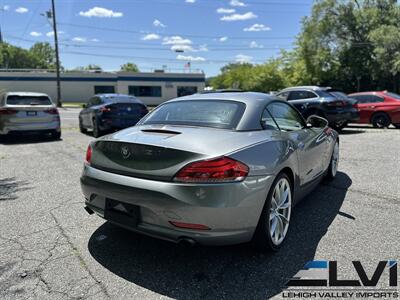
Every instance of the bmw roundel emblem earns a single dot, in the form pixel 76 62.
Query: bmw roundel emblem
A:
pixel 126 153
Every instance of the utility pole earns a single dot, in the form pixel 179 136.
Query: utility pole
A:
pixel 52 14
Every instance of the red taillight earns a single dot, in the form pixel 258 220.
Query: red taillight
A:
pixel 105 109
pixel 189 225
pixel 7 111
pixel 336 104
pixel 88 154
pixel 216 170
pixel 52 111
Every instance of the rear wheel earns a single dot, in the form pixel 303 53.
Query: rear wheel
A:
pixel 397 126
pixel 339 125
pixel 96 129
pixel 56 135
pixel 274 221
pixel 334 163
pixel 380 120
pixel 81 128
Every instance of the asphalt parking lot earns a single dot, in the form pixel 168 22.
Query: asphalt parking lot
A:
pixel 50 248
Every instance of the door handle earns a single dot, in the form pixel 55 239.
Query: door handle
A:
pixel 371 106
pixel 300 145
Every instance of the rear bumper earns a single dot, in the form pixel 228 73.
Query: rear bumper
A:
pixel 231 210
pixel 29 127
pixel 351 115
pixel 115 123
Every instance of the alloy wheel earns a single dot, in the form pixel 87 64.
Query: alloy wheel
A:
pixel 280 211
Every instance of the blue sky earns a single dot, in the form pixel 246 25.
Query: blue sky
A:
pixel 208 33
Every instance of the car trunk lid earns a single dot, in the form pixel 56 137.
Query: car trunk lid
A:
pixel 159 152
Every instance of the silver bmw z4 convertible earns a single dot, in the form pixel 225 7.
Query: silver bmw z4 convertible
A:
pixel 212 169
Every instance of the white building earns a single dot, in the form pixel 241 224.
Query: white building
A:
pixel 152 88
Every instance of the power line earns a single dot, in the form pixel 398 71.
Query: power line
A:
pixel 176 34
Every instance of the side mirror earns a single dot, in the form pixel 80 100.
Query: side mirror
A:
pixel 84 105
pixel 316 122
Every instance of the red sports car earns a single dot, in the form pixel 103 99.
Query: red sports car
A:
pixel 378 108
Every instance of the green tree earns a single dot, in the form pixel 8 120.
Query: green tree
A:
pixel 89 67
pixel 129 67
pixel 44 54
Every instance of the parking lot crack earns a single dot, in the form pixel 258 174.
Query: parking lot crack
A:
pixel 79 256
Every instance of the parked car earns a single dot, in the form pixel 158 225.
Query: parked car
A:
pixel 107 112
pixel 212 169
pixel 378 108
pixel 325 102
pixel 25 112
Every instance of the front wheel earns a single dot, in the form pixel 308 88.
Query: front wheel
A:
pixel 334 163
pixel 274 221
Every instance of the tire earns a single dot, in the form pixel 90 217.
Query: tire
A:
pixel 96 129
pixel 380 120
pixel 334 163
pixel 397 126
pixel 81 128
pixel 265 238
pixel 56 135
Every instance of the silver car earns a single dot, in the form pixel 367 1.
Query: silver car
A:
pixel 212 169
pixel 28 112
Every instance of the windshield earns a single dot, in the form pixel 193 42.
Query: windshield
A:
pixel 204 113
pixel 28 100
pixel 393 95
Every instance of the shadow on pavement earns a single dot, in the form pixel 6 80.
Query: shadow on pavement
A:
pixel 9 188
pixel 238 272
pixel 26 139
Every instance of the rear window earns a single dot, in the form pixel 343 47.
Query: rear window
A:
pixel 28 100
pixel 393 95
pixel 204 113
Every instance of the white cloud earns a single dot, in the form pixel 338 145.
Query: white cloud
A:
pixel 222 10
pixel 79 39
pixel 254 44
pixel 95 40
pixel 257 27
pixel 239 17
pixel 190 58
pixel 21 10
pixel 186 48
pixel 51 33
pixel 241 58
pixel 237 3
pixel 223 39
pixel 176 40
pixel 100 12
pixel 5 7
pixel 34 33
pixel 158 23
pixel 190 1
pixel 151 37
pixel 189 48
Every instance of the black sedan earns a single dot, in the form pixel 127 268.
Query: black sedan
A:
pixel 108 112
pixel 325 102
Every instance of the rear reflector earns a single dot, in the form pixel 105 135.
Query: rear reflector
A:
pixel 7 111
pixel 222 169
pixel 88 155
pixel 190 226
